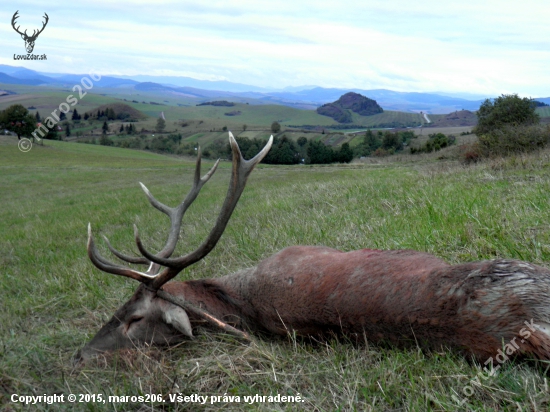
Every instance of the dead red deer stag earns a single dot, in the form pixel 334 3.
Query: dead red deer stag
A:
pixel 400 296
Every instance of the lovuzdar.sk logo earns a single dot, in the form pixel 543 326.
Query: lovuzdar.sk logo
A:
pixel 29 40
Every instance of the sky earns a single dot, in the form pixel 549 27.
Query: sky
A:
pixel 483 47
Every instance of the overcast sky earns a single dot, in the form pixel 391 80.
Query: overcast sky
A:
pixel 485 47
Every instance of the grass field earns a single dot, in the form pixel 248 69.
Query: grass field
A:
pixel 177 109
pixel 543 111
pixel 54 300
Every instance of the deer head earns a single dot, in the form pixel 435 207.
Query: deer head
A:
pixel 150 316
pixel 29 40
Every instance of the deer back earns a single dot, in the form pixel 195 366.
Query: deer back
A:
pixel 402 296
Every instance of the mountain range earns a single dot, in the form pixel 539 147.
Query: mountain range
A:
pixel 304 97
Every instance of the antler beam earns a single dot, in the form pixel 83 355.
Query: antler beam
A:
pixel 241 169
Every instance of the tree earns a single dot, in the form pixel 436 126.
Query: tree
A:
pixel 67 130
pixel 283 151
pixel 368 144
pixel 110 113
pixel 75 116
pixel 319 153
pixel 372 141
pixel 345 154
pixel 244 127
pixel 37 117
pixel 506 110
pixel 105 128
pixel 62 116
pixel 52 134
pixel 17 119
pixel 302 140
pixel 121 130
pixel 161 124
pixel 391 141
pixel 275 127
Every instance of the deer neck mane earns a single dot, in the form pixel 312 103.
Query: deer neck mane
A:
pixel 220 297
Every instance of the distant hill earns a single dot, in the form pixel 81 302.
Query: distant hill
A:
pixel 336 112
pixel 458 118
pixel 301 97
pixel 339 110
pixel 5 78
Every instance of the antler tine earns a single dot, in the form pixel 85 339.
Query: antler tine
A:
pixel 241 169
pixel 122 256
pixel 13 19
pixel 176 214
pixel 43 24
pixel 106 266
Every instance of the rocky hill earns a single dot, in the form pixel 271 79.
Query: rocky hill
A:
pixel 458 118
pixel 340 109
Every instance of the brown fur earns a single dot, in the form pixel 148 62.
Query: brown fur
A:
pixel 402 296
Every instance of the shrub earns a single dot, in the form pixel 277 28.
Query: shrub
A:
pixel 470 153
pixel 436 142
pixel 105 141
pixel 514 139
pixel 380 152
pixel 506 110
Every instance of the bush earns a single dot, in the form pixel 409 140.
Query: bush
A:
pixel 506 110
pixel 436 142
pixel 470 153
pixel 105 141
pixel 514 139
pixel 380 152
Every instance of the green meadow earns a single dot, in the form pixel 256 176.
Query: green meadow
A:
pixel 53 300
pixel 180 109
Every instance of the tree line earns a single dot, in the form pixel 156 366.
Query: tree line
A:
pixel 383 143
pixel 285 151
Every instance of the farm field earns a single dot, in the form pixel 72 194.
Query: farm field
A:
pixel 54 300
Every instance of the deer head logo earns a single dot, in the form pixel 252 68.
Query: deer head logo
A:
pixel 29 40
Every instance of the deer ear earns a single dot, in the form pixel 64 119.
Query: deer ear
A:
pixel 177 317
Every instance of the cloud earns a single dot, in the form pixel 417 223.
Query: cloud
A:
pixel 480 47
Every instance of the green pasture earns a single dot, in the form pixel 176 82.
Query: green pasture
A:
pixel 53 300
pixel 543 111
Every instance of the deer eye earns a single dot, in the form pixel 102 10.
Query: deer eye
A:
pixel 134 320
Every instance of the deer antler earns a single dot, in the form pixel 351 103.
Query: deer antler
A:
pixel 240 171
pixel 34 34
pixel 15 17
